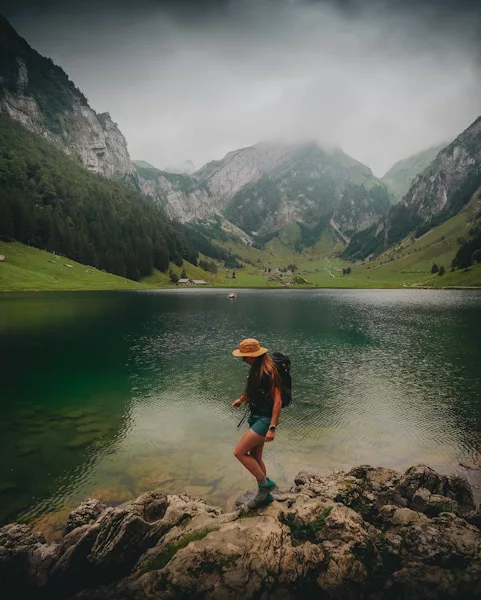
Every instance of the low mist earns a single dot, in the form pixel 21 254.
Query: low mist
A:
pixel 380 82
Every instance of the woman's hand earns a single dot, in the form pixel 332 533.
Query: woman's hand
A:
pixel 236 403
pixel 270 435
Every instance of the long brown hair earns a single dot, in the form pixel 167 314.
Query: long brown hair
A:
pixel 264 365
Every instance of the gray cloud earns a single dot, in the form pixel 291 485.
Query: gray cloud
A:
pixel 379 80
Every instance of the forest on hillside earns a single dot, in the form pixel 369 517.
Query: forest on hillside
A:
pixel 51 202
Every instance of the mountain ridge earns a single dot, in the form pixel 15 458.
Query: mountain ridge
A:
pixel 441 191
pixel 401 175
pixel 38 94
pixel 262 188
pixel 296 183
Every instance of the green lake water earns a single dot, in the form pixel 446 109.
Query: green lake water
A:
pixel 109 394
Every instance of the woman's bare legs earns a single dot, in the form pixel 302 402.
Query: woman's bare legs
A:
pixel 243 452
pixel 257 454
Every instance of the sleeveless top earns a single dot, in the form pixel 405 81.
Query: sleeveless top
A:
pixel 261 402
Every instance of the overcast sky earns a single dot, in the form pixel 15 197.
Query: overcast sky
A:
pixel 195 79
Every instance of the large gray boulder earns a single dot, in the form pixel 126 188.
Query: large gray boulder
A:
pixel 25 561
pixel 453 487
pixel 108 548
pixel 88 512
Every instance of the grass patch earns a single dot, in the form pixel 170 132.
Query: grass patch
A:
pixel 224 562
pixel 30 269
pixel 306 532
pixel 160 279
pixel 26 268
pixel 170 550
pixel 408 263
pixel 354 498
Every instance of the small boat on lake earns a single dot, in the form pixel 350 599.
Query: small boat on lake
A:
pixel 232 295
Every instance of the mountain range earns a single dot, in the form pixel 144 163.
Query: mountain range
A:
pixel 296 192
pixel 262 188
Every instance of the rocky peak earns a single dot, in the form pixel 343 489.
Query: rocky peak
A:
pixel 183 197
pixel 39 95
pixel 440 192
pixel 240 167
pixel 268 186
pixel 431 191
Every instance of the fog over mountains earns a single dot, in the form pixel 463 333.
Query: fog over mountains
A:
pixel 298 185
pixel 195 80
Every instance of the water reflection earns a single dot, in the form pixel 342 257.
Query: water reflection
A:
pixel 382 377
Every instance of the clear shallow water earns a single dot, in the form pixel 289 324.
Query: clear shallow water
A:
pixel 109 394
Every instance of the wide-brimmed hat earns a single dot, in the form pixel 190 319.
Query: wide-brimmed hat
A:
pixel 249 347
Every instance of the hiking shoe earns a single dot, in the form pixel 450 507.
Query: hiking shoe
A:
pixel 269 486
pixel 265 489
pixel 253 504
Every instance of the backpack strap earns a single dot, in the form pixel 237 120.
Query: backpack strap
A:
pixel 244 417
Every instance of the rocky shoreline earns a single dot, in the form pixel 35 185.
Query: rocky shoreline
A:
pixel 371 533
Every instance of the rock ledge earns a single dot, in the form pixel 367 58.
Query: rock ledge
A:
pixel 369 533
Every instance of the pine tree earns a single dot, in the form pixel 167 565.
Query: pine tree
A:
pixel 7 228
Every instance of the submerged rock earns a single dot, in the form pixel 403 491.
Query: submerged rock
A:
pixel 369 533
pixel 7 486
pixel 80 441
pixel 472 462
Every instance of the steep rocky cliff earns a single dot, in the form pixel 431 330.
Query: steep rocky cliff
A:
pixel 39 95
pixel 401 175
pixel 434 190
pixel 369 533
pixel 263 188
pixel 244 166
pixel 440 192
pixel 183 197
pixel 360 207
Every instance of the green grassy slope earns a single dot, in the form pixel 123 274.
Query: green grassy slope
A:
pixel 276 253
pixel 409 262
pixel 159 279
pixel 27 268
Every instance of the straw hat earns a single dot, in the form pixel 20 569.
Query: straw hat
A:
pixel 249 347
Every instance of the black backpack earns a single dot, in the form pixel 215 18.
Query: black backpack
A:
pixel 283 364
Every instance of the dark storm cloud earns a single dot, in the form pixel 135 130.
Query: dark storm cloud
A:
pixel 195 79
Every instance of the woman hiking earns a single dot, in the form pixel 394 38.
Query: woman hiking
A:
pixel 263 395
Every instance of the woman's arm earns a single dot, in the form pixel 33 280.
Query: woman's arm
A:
pixel 241 400
pixel 276 411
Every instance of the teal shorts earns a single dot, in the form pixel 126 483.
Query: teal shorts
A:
pixel 259 425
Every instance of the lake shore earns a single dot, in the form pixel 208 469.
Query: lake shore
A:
pixel 369 531
pixel 31 270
